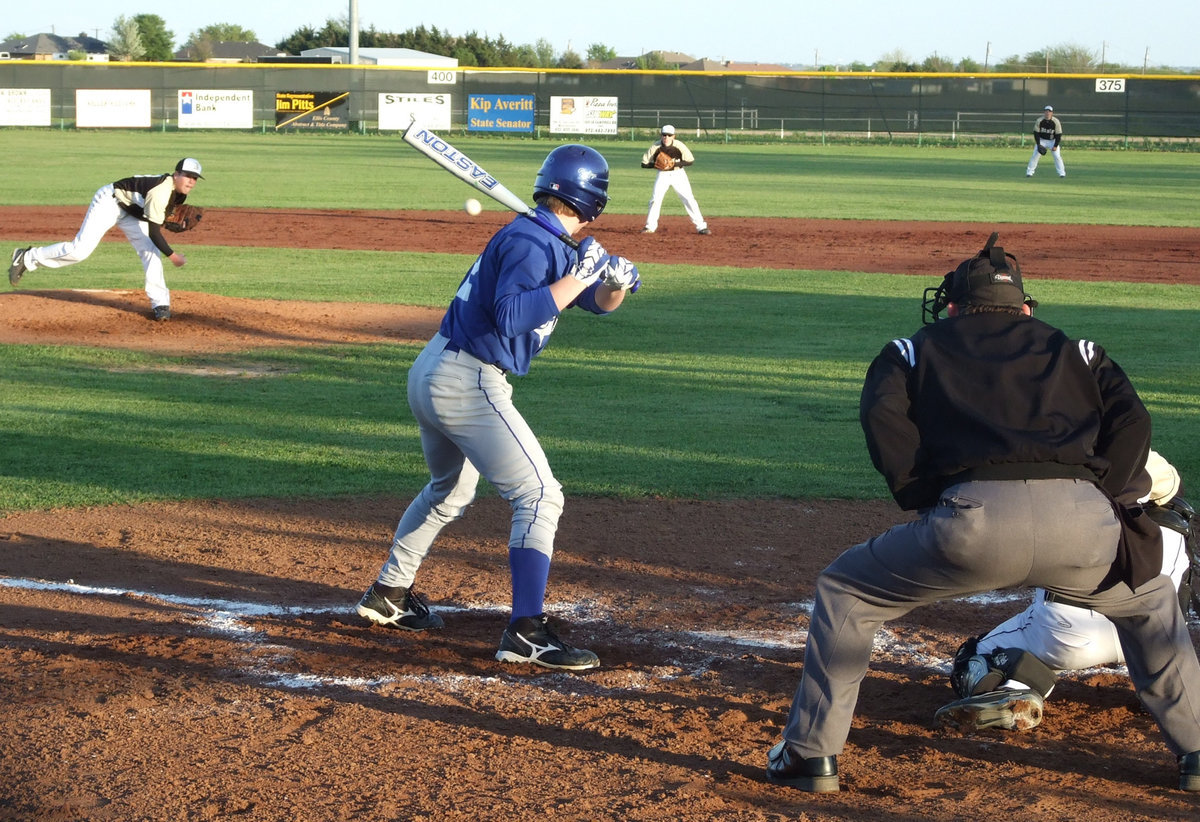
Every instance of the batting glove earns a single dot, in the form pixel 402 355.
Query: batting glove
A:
pixel 618 273
pixel 591 255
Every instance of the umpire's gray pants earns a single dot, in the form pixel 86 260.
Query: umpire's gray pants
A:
pixel 469 426
pixel 1056 534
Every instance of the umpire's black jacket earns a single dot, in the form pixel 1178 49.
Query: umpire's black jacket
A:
pixel 999 397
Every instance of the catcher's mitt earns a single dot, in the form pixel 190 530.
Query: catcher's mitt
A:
pixel 664 161
pixel 183 218
pixel 1042 150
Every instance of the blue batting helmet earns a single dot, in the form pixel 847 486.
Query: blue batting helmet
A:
pixel 578 176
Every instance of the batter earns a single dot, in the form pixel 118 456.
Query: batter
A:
pixel 505 310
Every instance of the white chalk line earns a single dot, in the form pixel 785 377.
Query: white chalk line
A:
pixel 227 618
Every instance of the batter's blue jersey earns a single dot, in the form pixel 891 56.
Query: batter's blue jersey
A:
pixel 503 312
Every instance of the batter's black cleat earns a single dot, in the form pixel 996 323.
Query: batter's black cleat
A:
pixel 162 312
pixel 412 614
pixel 532 641
pixel 1008 710
pixel 1189 772
pixel 817 774
pixel 17 270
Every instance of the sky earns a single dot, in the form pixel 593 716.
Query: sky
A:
pixel 801 32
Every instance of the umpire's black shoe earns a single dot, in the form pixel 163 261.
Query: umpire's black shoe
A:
pixel 17 270
pixel 818 774
pixel 531 640
pixel 1189 772
pixel 412 614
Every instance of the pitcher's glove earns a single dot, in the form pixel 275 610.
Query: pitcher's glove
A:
pixel 1041 149
pixel 183 218
pixel 664 161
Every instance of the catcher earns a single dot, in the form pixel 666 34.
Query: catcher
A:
pixel 1003 677
pixel 669 157
pixel 141 206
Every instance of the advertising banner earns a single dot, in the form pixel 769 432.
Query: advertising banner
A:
pixel 216 108
pixel 24 106
pixel 501 112
pixel 112 108
pixel 583 115
pixel 312 110
pixel 396 110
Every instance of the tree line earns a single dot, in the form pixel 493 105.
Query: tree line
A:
pixel 146 37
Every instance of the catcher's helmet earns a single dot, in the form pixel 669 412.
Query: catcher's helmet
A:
pixel 578 176
pixel 991 277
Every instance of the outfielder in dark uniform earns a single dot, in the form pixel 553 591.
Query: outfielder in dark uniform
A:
pixel 139 206
pixel 1023 452
pixel 1047 138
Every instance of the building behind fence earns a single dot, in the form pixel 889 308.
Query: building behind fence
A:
pixel 705 105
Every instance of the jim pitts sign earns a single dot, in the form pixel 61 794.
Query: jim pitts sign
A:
pixel 501 112
pixel 216 108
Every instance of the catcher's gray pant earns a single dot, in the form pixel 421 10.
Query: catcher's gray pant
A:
pixel 678 180
pixel 1056 534
pixel 469 427
pixel 103 213
pixel 1054 152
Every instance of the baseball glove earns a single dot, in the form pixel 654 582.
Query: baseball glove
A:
pixel 183 218
pixel 1041 149
pixel 664 161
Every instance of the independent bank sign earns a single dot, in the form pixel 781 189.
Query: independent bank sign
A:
pixel 216 108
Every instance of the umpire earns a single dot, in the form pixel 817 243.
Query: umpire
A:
pixel 1023 453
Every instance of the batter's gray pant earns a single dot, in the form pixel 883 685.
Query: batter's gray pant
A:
pixel 469 426
pixel 1055 534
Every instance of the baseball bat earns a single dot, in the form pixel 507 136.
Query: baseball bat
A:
pixel 474 175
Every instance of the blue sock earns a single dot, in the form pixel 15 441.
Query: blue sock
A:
pixel 530 570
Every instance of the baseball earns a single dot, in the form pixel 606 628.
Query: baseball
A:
pixel 472 206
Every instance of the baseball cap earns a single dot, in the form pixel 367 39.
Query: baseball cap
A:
pixel 989 278
pixel 189 166
pixel 1049 108
pixel 668 130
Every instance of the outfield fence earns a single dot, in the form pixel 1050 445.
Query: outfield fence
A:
pixel 706 105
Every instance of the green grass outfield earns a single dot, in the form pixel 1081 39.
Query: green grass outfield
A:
pixel 1106 187
pixel 709 383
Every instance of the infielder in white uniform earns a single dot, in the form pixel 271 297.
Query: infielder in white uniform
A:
pixel 1047 137
pixel 137 205
pixel 1059 635
pixel 670 157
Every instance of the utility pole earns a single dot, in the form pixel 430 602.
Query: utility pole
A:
pixel 1146 60
pixel 987 54
pixel 353 32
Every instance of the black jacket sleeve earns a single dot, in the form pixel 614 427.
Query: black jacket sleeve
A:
pixel 1124 436
pixel 893 439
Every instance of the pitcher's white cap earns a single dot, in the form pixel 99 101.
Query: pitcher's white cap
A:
pixel 189 166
